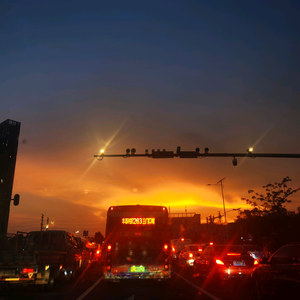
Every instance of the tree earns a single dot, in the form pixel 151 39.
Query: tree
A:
pixel 275 198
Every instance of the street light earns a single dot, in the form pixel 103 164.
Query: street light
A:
pixel 221 183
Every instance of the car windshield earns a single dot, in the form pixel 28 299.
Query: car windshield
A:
pixel 252 248
pixel 224 250
pixel 194 248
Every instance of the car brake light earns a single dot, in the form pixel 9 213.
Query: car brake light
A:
pixel 256 262
pixel 200 249
pixel 173 249
pixel 211 243
pixel 231 253
pixel 166 246
pixel 98 252
pixel 182 239
pixel 25 270
pixel 219 262
pixel 191 255
pixel 109 247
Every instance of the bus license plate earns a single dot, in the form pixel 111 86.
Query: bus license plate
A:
pixel 137 269
pixel 238 263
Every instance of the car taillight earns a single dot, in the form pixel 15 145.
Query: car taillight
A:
pixel 166 247
pixel 98 252
pixel 173 249
pixel 108 247
pixel 219 262
pixel 191 255
pixel 256 262
pixel 233 254
pixel 25 270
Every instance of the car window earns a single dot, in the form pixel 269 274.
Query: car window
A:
pixel 281 256
pixel 295 255
pixel 208 251
pixel 252 248
pixel 193 248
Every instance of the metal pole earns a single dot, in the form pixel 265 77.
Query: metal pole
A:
pixel 223 201
pixel 42 222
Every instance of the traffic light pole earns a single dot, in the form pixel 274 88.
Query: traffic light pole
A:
pixel 196 154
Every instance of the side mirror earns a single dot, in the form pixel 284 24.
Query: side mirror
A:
pixel 16 199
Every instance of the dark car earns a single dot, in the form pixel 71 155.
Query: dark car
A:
pixel 220 263
pixel 280 274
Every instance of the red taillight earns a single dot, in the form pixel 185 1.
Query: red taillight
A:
pixel 112 208
pixel 191 255
pixel 166 247
pixel 234 254
pixel 108 247
pixel 256 262
pixel 219 262
pixel 211 243
pixel 182 239
pixel 200 249
pixel 98 252
pixel 27 270
pixel 173 249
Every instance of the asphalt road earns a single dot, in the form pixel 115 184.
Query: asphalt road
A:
pixel 90 286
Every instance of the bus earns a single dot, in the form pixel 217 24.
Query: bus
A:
pixel 137 243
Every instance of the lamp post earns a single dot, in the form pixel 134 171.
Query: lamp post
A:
pixel 220 182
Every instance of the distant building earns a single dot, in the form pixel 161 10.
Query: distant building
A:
pixel 185 225
pixel 9 137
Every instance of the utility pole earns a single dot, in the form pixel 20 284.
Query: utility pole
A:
pixel 221 184
pixel 42 221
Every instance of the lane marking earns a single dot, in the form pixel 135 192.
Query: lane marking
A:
pixel 198 288
pixel 90 289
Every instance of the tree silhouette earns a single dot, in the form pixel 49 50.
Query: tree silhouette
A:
pixel 275 198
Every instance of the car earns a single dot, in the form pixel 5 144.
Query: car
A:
pixel 177 246
pixel 280 274
pixel 187 256
pixel 255 251
pixel 221 263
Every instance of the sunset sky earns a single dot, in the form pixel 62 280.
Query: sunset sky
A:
pixel 82 76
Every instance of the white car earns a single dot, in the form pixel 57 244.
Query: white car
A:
pixel 187 256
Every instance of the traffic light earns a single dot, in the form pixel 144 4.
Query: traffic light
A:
pixel 162 154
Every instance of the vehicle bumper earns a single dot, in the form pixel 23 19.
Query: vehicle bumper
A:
pixel 229 273
pixel 116 275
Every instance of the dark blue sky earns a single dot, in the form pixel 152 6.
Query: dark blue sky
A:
pixel 223 75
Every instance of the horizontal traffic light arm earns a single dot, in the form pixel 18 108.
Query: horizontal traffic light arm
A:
pixel 195 154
